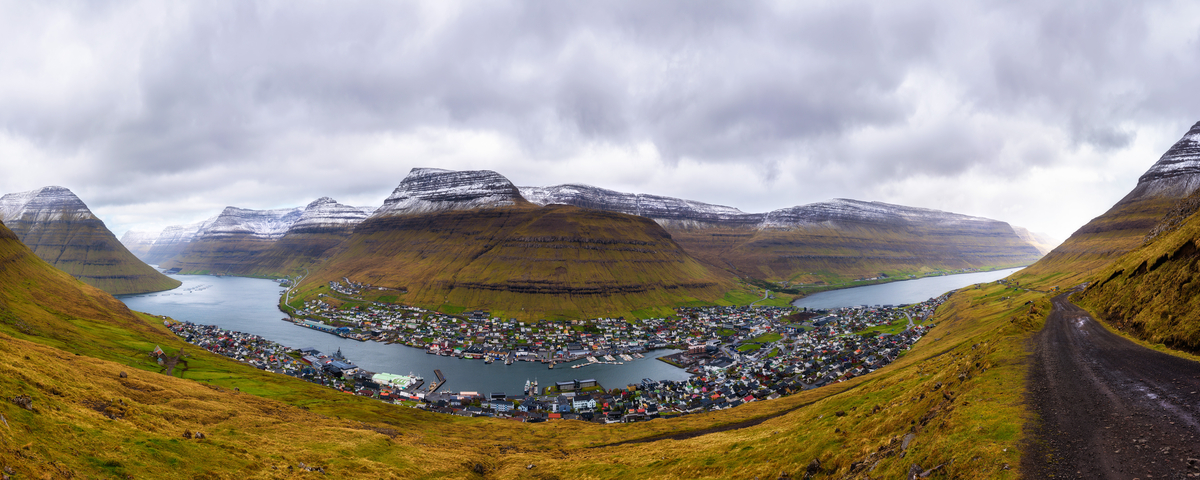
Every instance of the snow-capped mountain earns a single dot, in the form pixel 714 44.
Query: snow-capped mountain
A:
pixel 664 210
pixel 846 210
pixel 679 213
pixel 427 190
pixel 261 224
pixel 1176 173
pixel 327 214
pixel 46 204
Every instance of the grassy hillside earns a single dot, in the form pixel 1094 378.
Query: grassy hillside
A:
pixel 1098 243
pixel 524 262
pixel 1152 292
pixel 249 256
pixel 87 250
pixel 849 251
pixel 65 345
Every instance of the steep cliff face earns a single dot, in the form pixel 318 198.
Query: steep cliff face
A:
pixel 60 229
pixel 825 241
pixel 1124 226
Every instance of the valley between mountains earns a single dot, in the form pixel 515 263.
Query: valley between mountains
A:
pixel 1079 366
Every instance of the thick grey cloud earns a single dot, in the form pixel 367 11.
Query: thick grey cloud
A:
pixel 157 112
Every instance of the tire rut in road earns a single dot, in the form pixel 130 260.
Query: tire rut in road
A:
pixel 1107 407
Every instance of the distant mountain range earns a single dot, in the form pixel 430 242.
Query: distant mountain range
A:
pixel 824 242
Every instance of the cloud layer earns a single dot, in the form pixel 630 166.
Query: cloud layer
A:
pixel 165 112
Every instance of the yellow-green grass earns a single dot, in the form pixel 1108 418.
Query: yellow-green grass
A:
pixel 275 421
pixel 767 337
pixel 1152 292
pixel 1098 243
pixel 843 253
pixel 87 250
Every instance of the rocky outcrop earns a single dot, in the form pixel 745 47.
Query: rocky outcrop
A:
pixel 427 190
pixel 60 229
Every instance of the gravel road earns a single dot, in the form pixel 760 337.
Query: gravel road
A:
pixel 1108 408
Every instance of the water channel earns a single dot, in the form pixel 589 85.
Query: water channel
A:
pixel 250 305
pixel 899 293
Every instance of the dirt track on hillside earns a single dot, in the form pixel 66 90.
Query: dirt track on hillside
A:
pixel 1109 408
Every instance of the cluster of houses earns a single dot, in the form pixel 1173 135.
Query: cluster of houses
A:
pixel 477 335
pixel 735 355
pixel 333 370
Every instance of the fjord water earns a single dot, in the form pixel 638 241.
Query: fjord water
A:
pixel 250 305
pixel 899 293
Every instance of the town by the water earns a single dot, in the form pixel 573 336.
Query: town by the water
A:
pixel 735 355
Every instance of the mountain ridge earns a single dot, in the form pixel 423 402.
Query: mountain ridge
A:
pixel 58 227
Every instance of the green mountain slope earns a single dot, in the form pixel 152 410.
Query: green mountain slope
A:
pixel 60 229
pixel 524 261
pixel 1153 292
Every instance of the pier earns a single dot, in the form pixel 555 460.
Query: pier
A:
pixel 441 380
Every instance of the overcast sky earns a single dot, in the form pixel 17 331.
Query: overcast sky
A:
pixel 1042 114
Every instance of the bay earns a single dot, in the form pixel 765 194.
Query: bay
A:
pixel 899 293
pixel 249 305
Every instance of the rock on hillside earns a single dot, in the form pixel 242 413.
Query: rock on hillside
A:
pixel 60 229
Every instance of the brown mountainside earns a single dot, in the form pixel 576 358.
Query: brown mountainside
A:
pixel 60 229
pixel 525 261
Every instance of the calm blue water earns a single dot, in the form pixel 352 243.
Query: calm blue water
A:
pixel 899 293
pixel 249 305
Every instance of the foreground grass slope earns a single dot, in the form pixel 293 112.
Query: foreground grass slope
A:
pixel 65 345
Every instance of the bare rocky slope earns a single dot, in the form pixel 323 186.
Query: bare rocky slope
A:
pixel 60 229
